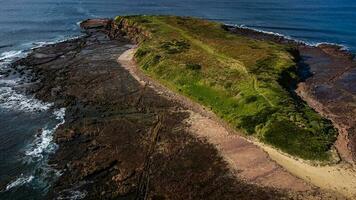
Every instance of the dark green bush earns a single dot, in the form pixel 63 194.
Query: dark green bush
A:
pixel 193 66
pixel 175 46
pixel 250 122
pixel 151 62
pixel 298 141
pixel 141 52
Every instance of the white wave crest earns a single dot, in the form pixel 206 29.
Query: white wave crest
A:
pixel 242 26
pixel 312 44
pixel 19 182
pixel 35 45
pixel 11 55
pixel 44 142
pixel 342 47
pixel 12 100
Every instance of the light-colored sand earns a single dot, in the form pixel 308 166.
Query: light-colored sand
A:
pixel 256 162
pixel 251 161
pixel 340 177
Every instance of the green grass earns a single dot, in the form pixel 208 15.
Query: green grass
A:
pixel 242 80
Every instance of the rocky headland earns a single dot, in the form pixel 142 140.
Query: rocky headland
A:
pixel 127 136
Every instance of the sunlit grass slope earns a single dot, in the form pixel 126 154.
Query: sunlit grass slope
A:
pixel 244 81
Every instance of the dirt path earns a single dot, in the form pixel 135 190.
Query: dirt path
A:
pixel 255 162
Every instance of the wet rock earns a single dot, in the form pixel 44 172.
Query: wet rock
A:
pixel 336 51
pixel 95 24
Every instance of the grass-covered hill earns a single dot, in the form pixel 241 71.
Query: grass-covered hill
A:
pixel 244 81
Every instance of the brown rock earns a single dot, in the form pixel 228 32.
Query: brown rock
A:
pixel 95 24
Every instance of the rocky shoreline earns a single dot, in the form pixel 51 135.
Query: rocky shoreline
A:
pixel 123 140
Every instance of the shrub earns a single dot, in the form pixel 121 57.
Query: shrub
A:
pixel 175 46
pixel 250 122
pixel 297 141
pixel 193 66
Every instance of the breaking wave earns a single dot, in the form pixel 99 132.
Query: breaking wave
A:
pixel 37 153
pixel 12 100
pixel 43 143
pixel 11 55
pixel 314 44
pixel 19 182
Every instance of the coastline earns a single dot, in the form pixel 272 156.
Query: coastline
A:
pixel 124 135
pixel 274 156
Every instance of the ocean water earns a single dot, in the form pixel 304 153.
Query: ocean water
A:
pixel 23 22
pixel 26 136
pixel 27 124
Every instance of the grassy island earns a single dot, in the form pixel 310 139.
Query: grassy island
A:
pixel 244 81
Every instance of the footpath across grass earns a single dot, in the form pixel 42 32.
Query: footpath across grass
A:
pixel 244 81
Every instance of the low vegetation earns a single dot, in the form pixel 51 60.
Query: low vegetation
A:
pixel 244 81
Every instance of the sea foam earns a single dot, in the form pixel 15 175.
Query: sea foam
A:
pixel 11 55
pixel 42 146
pixel 12 100
pixel 43 143
pixel 312 44
pixel 19 182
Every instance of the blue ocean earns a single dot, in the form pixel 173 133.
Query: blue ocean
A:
pixel 27 125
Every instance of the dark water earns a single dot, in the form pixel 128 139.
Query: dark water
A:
pixel 26 137
pixel 26 124
pixel 25 176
